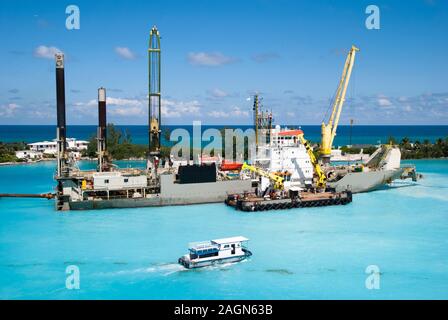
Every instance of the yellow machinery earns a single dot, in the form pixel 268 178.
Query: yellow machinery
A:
pixel 278 181
pixel 329 129
pixel 321 177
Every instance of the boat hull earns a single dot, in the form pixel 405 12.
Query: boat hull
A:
pixel 358 182
pixel 206 263
pixel 171 194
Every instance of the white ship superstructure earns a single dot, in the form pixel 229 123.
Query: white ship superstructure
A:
pixel 285 155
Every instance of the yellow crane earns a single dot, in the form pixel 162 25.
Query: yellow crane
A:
pixel 277 180
pixel 321 177
pixel 329 129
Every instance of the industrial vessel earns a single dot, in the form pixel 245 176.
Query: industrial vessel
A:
pixel 133 188
pixel 287 153
pixel 157 185
pixel 285 161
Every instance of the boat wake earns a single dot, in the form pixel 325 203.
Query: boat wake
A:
pixel 167 269
pixel 164 269
pixel 433 187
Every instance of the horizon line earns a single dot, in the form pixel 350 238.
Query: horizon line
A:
pixel 233 125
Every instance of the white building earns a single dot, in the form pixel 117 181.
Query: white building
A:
pixel 28 154
pixel 285 155
pixel 50 147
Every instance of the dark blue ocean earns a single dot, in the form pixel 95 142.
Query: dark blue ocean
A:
pixel 139 133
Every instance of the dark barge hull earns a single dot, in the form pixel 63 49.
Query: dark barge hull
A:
pixel 260 204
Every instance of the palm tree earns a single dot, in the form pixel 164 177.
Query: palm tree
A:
pixel 405 143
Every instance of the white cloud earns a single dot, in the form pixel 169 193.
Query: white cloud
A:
pixel 125 107
pixel 8 110
pixel 218 114
pixel 138 107
pixel 125 53
pixel 46 52
pixel 176 109
pixel 407 108
pixel 239 113
pixel 123 102
pixel 213 59
pixel 112 102
pixel 384 102
pixel 234 112
pixel 126 111
pixel 218 93
pixel 115 106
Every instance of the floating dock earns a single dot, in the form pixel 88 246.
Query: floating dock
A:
pixel 251 202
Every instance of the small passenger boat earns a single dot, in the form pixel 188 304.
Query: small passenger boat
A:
pixel 227 250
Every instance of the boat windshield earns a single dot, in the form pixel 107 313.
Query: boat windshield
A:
pixel 193 256
pixel 204 252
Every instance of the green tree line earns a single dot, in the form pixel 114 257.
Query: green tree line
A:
pixel 425 149
pixel 120 146
pixel 8 150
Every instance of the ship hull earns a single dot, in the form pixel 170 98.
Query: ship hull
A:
pixel 359 182
pixel 171 194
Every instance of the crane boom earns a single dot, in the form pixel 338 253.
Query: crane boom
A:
pixel 321 177
pixel 278 181
pixel 329 130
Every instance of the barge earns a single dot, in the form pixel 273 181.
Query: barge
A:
pixel 252 202
pixel 161 183
pixel 133 188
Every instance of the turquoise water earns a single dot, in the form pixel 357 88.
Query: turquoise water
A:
pixel 313 253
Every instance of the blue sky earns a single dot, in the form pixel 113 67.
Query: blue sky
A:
pixel 215 54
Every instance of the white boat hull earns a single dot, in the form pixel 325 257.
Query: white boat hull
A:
pixel 211 262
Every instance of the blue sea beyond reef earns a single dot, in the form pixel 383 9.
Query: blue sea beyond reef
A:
pixel 360 134
pixel 311 253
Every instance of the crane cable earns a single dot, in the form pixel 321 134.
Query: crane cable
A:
pixel 331 104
